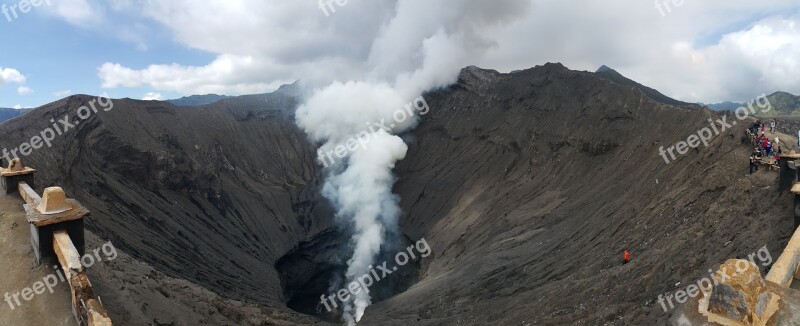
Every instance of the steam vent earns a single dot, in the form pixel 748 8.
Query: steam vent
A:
pixel 399 162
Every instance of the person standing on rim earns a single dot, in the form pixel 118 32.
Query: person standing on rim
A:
pixel 626 257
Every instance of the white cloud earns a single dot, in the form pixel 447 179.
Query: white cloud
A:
pixel 761 58
pixel 228 74
pixel 700 51
pixel 687 54
pixel 24 90
pixel 81 13
pixel 152 96
pixel 11 75
pixel 62 93
pixel 263 44
pixel 120 19
pixel 259 44
pixel 136 34
pixel 17 106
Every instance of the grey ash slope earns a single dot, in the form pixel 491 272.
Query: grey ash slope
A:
pixel 527 186
pixel 210 194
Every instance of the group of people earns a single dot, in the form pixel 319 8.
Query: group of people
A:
pixel 759 127
pixel 764 148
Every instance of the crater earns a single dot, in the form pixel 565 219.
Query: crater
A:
pixel 317 267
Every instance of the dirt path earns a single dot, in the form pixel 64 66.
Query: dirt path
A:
pixel 19 270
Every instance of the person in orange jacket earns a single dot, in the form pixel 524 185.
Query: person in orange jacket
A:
pixel 626 257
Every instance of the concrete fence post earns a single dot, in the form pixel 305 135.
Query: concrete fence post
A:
pixel 53 212
pixel 15 173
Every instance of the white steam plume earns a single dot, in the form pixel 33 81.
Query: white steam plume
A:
pixel 422 47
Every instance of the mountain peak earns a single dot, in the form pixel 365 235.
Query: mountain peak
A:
pixel 782 93
pixel 602 69
pixel 292 89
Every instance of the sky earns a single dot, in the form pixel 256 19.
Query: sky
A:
pixel 691 50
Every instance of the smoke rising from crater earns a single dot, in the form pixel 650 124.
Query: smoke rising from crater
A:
pixel 422 47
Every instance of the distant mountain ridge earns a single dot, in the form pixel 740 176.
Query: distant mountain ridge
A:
pixel 607 73
pixel 197 100
pixel 292 89
pixel 723 106
pixel 9 113
pixel 784 104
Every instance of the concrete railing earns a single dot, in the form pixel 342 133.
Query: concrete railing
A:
pixel 784 270
pixel 27 193
pixel 57 232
